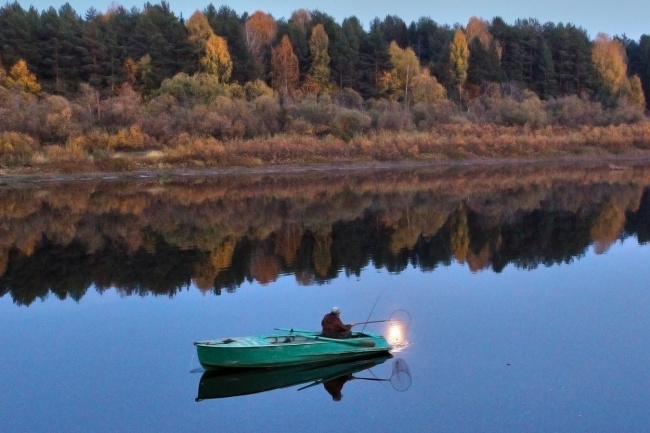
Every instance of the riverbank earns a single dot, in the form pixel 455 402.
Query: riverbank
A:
pixel 445 145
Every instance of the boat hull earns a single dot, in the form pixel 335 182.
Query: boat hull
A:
pixel 235 382
pixel 280 350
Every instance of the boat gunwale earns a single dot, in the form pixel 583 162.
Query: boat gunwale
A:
pixel 312 336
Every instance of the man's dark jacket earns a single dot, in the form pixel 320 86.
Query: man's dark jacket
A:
pixel 332 326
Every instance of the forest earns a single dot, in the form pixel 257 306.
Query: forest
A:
pixel 144 88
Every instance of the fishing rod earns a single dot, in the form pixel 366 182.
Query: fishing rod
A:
pixel 402 317
pixel 372 321
pixel 373 308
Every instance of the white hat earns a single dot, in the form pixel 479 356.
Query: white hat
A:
pixel 336 310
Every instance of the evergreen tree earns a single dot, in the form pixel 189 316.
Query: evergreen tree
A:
pixel 226 23
pixel 375 62
pixel 18 35
pixel 346 72
pixel 394 29
pixel 638 55
pixel 161 35
pixel 509 38
pixel 60 45
pixel 431 42
pixel 547 85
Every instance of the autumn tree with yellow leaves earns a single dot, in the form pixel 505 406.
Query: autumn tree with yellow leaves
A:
pixel 610 62
pixel 425 88
pixel 318 77
pixel 216 58
pixel 21 78
pixel 406 66
pixel 633 91
pixel 459 60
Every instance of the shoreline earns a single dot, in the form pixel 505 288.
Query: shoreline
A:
pixel 611 162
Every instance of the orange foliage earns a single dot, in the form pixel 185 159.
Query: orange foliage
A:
pixel 478 28
pixel 322 254
pixel 287 242
pixel 284 67
pixel 264 267
pixel 260 30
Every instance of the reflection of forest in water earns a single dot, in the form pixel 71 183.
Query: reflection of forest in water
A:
pixel 159 235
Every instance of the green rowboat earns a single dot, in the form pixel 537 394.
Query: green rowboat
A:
pixel 288 347
pixel 234 382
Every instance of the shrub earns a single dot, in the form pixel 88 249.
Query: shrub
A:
pixel 57 123
pixel 191 90
pixel 348 98
pixel 347 124
pixel 159 118
pixel 510 112
pixel 572 111
pixel 626 112
pixel 394 118
pixel 17 110
pixel 16 148
pixel 316 115
pixel 236 91
pixel 197 150
pixel 120 111
pixel 268 113
pixel 256 89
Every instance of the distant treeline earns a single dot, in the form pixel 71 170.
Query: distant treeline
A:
pixel 144 79
pixel 145 47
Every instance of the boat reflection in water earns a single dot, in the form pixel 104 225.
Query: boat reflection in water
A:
pixel 235 382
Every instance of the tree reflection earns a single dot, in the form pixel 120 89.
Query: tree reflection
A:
pixel 160 236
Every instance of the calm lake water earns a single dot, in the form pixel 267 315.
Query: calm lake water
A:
pixel 527 287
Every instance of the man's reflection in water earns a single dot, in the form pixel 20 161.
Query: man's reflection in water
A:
pixel 335 386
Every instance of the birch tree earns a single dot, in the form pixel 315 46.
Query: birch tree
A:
pixel 459 60
pixel 609 58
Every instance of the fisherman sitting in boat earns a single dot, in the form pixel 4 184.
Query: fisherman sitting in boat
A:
pixel 333 327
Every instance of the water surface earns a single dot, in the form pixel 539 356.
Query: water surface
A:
pixel 527 288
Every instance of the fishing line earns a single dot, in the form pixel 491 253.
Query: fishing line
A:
pixel 373 308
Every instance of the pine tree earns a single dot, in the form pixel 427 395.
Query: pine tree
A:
pixel 375 63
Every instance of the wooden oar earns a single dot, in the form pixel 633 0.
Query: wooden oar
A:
pixel 349 342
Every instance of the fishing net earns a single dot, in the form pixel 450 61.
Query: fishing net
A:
pixel 400 378
pixel 400 318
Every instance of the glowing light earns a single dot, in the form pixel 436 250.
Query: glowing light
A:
pixel 395 334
